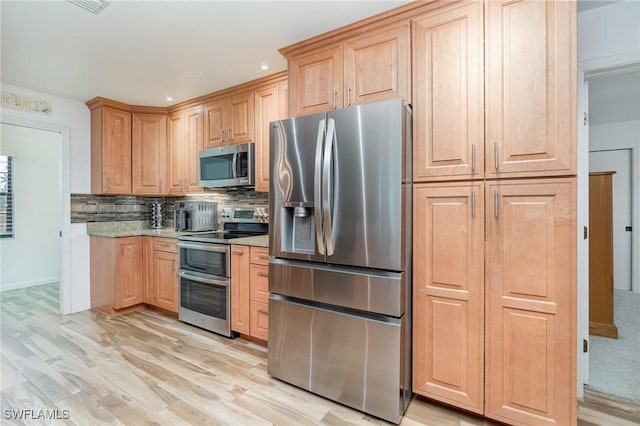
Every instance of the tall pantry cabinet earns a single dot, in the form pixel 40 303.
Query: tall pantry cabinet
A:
pixel 494 209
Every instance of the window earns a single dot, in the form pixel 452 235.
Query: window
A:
pixel 6 197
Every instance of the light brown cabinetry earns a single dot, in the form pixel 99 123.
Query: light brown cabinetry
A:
pixel 448 293
pixel 531 86
pixel 259 292
pixel 270 105
pixel 116 273
pixel 229 120
pixel 601 287
pixel 185 143
pixel 164 285
pixel 110 149
pixel 361 69
pixel 240 289
pixel 250 291
pixel 149 153
pixel 530 375
pixel 518 311
pixel 448 94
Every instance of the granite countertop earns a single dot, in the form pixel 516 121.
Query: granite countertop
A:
pixel 136 229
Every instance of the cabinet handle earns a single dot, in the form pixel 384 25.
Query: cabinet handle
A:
pixel 495 202
pixel 121 249
pixel 496 163
pixel 263 274
pixel 263 311
pixel 229 135
pixel 263 256
pixel 179 183
pixel 348 94
pixel 160 185
pixel 237 252
pixel 108 182
pixel 173 265
pixel 473 158
pixel 473 203
pixel 221 135
pixel 335 94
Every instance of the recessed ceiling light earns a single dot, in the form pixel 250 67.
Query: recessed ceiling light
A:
pixel 169 98
pixel 264 66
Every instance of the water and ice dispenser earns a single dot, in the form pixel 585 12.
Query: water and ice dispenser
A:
pixel 297 228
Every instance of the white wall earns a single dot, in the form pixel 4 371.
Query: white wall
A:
pixel 72 118
pixel 32 256
pixel 609 36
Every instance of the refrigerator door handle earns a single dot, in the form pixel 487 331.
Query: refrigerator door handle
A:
pixel 326 195
pixel 317 192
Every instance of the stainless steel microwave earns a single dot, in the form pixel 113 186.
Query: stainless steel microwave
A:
pixel 228 166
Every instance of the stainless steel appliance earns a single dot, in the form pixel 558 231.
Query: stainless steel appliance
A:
pixel 204 274
pixel 195 215
pixel 228 166
pixel 340 246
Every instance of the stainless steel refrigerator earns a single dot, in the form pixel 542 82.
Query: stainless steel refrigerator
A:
pixel 340 246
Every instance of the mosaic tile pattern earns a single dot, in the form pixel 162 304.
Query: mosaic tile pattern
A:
pixel 118 208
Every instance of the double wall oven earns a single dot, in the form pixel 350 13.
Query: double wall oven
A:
pixel 204 274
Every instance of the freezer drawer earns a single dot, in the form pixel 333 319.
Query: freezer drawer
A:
pixel 357 361
pixel 370 290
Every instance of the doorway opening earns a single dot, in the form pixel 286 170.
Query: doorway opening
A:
pixel 613 162
pixel 34 259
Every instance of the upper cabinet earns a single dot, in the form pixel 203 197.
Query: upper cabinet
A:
pixel 149 154
pixel 229 120
pixel 530 88
pixel 270 105
pixel 448 94
pixel 361 69
pixel 110 149
pixel 184 143
pixel 529 99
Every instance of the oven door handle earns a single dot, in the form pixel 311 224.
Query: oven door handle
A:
pixel 191 277
pixel 222 248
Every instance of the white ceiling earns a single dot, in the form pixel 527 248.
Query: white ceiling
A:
pixel 139 52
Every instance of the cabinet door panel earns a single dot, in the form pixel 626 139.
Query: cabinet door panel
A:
pixel 260 320
pixel 240 127
pixel 240 278
pixel 214 135
pixel 531 88
pixel 378 67
pixel 266 111
pixel 149 150
pixel 316 82
pixel 259 283
pixel 191 149
pixel 129 274
pixel 175 136
pixel 448 94
pixel 165 285
pixel 116 152
pixel 531 298
pixel 448 300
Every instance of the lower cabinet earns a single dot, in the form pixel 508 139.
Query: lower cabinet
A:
pixel 164 287
pixel 495 298
pixel 116 276
pixel 250 291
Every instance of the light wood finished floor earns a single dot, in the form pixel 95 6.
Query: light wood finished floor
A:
pixel 147 368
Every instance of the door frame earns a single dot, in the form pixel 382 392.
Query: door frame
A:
pixel 635 207
pixel 65 203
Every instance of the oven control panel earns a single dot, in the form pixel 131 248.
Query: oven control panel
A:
pixel 244 214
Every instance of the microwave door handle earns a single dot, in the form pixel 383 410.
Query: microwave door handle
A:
pixel 317 182
pixel 326 194
pixel 235 165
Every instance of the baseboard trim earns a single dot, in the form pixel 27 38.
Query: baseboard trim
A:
pixel 26 284
pixel 618 406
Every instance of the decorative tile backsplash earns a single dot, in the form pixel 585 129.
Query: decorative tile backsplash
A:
pixel 112 208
